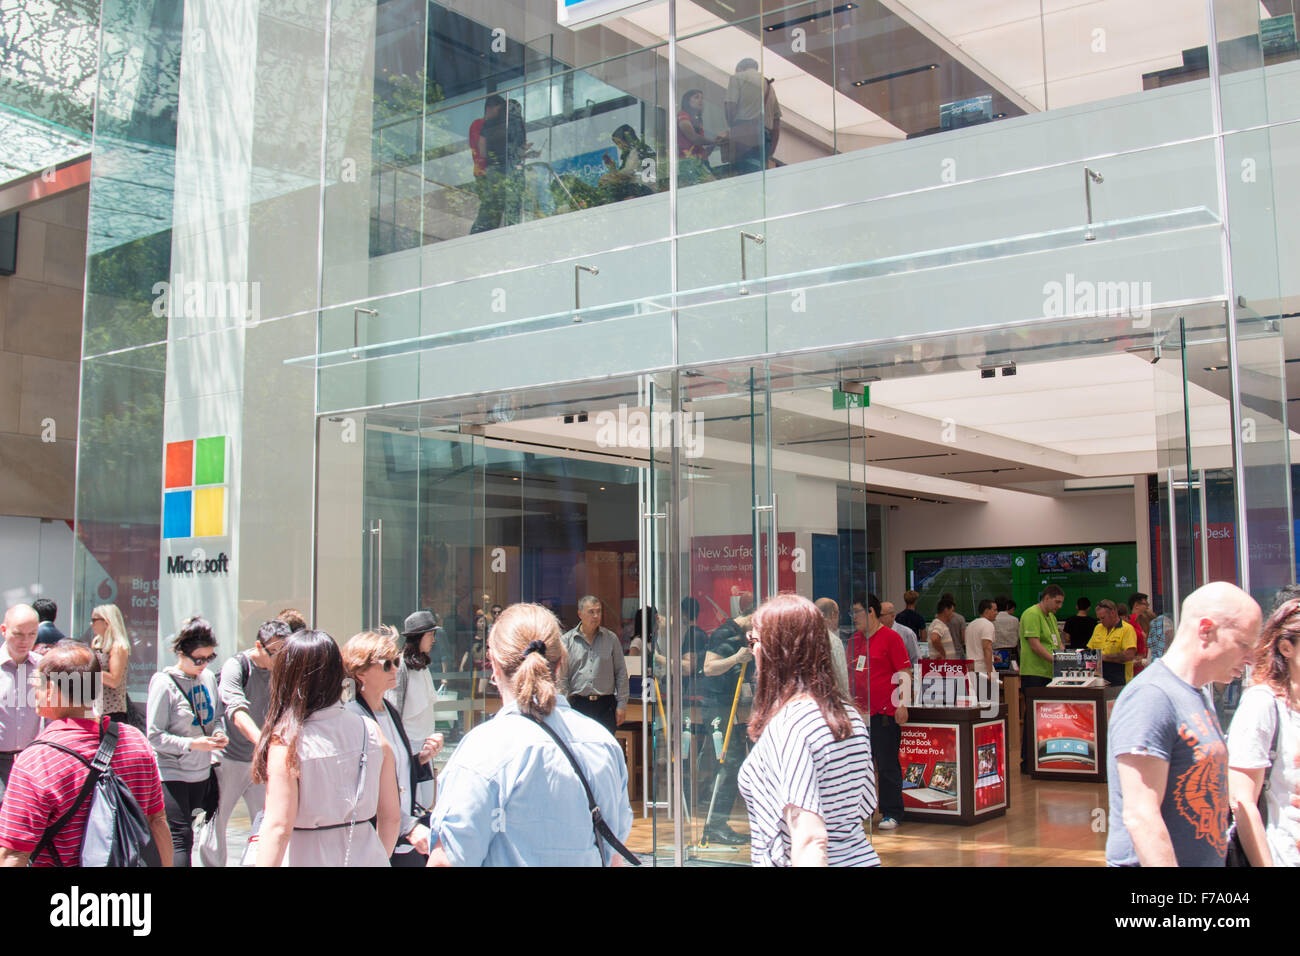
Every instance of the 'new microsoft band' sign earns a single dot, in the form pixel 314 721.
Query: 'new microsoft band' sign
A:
pixel 576 14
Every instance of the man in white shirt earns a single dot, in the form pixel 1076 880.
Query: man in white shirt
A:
pixel 980 634
pixel 1006 627
pixel 940 638
pixel 839 662
pixel 19 722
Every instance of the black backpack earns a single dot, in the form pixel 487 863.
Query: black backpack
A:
pixel 117 832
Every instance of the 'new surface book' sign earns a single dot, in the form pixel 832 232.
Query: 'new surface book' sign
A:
pixel 576 14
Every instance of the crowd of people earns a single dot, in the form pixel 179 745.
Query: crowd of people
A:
pixel 500 150
pixel 331 748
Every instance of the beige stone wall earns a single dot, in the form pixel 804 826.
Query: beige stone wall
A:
pixel 40 358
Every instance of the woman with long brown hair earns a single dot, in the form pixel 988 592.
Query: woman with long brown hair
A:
pixel 510 795
pixel 331 783
pixel 808 782
pixel 1264 746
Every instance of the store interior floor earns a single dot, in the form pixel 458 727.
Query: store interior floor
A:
pixel 1050 823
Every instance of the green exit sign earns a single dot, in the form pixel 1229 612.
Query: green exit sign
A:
pixel 841 399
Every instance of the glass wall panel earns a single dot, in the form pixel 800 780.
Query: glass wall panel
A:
pixel 119 490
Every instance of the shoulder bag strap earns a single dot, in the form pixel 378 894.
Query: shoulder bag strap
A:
pixel 189 704
pixel 95 769
pixel 603 832
pixel 412 759
pixel 1262 802
pixel 361 787
pixel 416 809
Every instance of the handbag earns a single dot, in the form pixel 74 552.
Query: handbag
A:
pixel 137 716
pixel 210 802
pixel 1236 855
pixel 598 824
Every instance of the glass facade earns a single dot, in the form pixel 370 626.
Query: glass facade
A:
pixel 705 301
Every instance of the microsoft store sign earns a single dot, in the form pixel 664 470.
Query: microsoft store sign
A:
pixel 576 14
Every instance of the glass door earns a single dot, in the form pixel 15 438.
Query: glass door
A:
pixel 770 498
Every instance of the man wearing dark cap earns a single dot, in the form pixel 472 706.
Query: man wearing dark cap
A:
pixel 595 677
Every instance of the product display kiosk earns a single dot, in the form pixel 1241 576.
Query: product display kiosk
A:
pixel 954 762
pixel 1067 729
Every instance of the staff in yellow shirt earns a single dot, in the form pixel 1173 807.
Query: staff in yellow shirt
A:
pixel 1117 641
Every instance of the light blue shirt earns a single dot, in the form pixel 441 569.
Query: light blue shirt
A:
pixel 509 797
pixel 19 722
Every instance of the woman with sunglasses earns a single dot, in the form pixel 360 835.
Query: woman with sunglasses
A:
pixel 113 649
pixel 371 659
pixel 184 729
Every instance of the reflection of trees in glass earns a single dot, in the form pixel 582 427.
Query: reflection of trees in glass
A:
pixel 120 297
pixel 48 59
pixel 119 446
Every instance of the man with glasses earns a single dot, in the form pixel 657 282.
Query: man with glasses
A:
pixel 881 674
pixel 47 781
pixel 595 678
pixel 19 723
pixel 245 691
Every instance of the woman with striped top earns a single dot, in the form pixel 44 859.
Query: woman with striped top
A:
pixel 808 782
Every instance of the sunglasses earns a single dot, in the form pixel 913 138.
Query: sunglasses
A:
pixel 201 661
pixel 98 620
pixel 389 664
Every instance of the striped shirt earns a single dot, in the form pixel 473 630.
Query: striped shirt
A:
pixel 44 784
pixel 798 762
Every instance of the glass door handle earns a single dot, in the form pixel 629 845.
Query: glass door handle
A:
pixel 770 511
pixel 376 542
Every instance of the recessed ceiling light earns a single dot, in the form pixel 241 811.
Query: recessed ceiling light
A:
pixel 897 74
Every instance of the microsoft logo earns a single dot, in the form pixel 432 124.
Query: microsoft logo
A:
pixel 194 495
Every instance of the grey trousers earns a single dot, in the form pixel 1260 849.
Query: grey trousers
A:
pixel 236 781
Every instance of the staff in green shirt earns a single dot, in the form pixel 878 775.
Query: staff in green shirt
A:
pixel 1038 641
pixel 1039 637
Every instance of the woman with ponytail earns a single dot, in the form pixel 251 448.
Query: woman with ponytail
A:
pixel 509 795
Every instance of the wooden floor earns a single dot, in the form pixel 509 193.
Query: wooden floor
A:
pixel 1049 824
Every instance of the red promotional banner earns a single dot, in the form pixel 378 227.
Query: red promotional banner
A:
pixel 990 765
pixel 931 768
pixel 722 572
pixel 1065 736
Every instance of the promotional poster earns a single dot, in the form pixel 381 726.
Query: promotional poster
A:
pixel 930 759
pixel 1065 736
pixel 722 572
pixel 990 765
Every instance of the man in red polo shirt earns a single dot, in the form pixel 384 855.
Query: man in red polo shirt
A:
pixel 45 782
pixel 880 673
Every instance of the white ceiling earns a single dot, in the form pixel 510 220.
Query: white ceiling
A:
pixel 1088 406
pixel 1091 49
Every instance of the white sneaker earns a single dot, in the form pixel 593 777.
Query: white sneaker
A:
pixel 889 823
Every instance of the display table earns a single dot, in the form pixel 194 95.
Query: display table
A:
pixel 954 762
pixel 1067 728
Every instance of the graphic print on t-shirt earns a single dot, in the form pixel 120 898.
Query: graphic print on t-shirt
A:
pixel 1201 791
pixel 201 703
